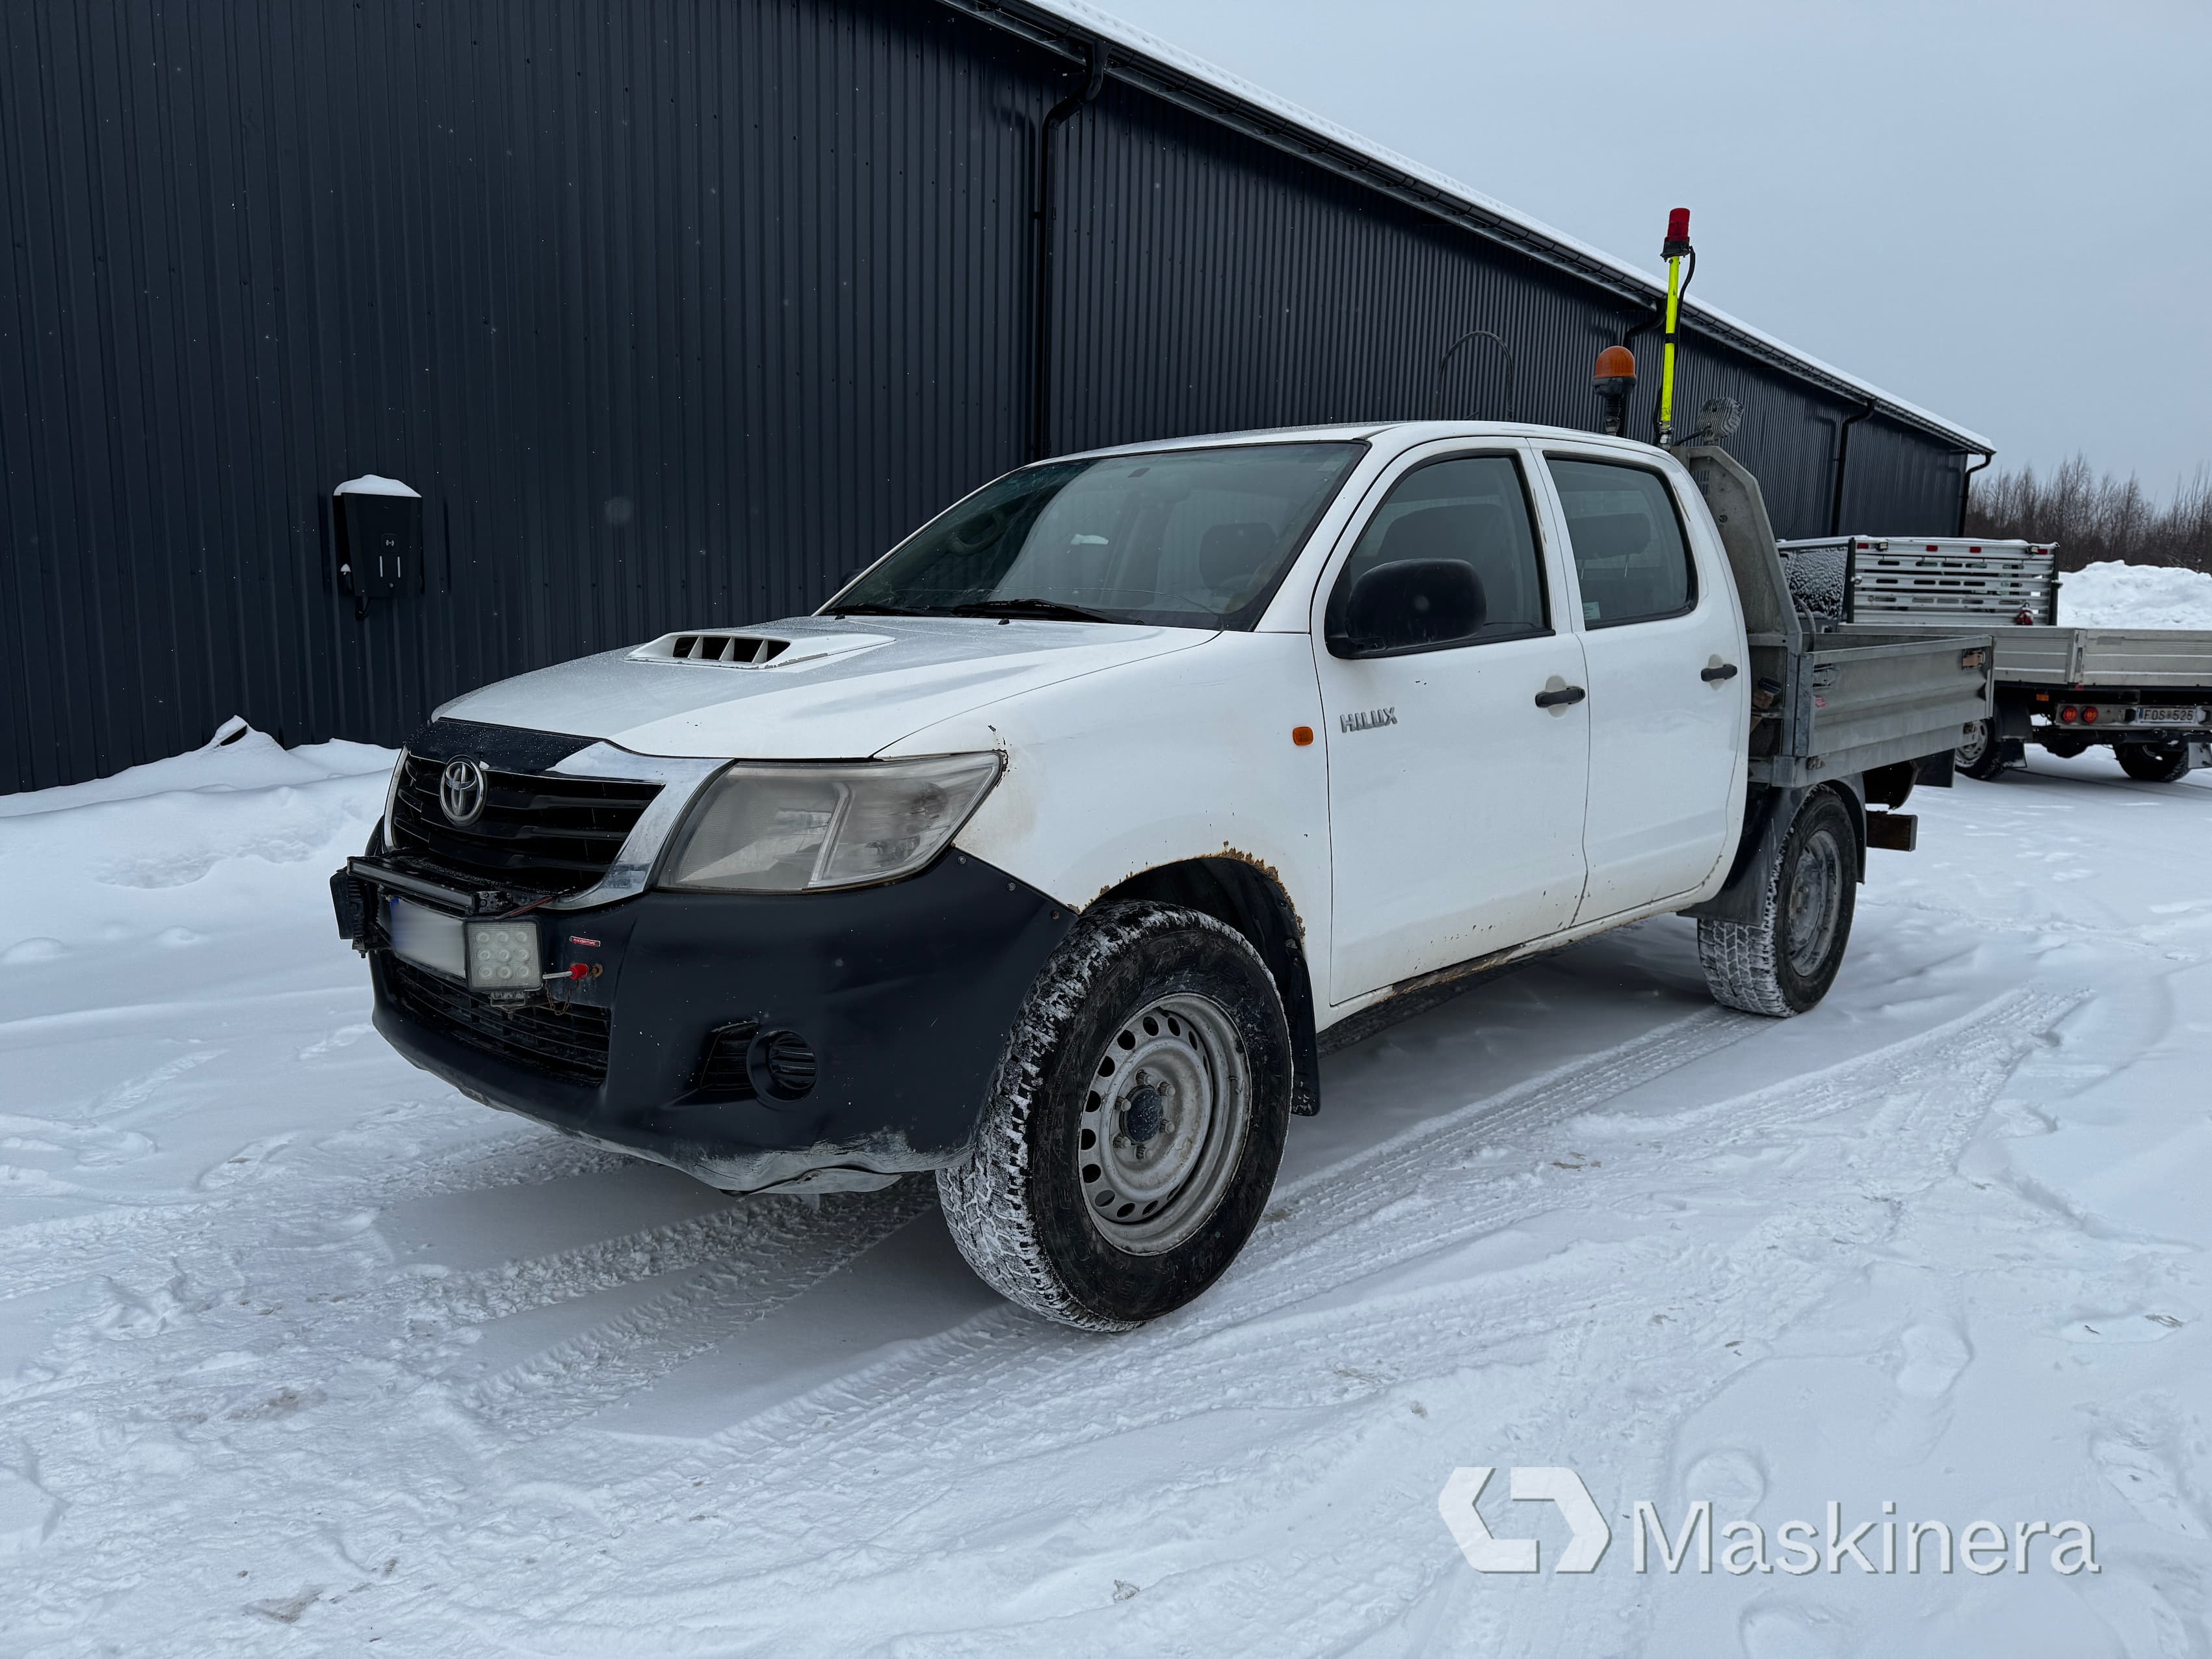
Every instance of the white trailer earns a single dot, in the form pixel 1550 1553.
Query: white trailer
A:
pixel 2145 693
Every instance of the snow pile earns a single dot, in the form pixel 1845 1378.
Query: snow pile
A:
pixel 199 845
pixel 300 1351
pixel 2110 594
pixel 236 758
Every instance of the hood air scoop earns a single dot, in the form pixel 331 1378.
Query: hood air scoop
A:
pixel 743 650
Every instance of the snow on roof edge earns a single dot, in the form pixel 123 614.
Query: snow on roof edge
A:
pixel 1120 33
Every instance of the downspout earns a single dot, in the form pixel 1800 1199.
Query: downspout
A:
pixel 1094 59
pixel 1967 484
pixel 1843 459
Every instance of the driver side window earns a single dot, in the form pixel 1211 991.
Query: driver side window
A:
pixel 1449 559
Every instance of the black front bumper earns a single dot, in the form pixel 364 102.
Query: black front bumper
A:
pixel 904 992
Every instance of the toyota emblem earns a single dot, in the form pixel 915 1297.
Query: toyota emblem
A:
pixel 461 793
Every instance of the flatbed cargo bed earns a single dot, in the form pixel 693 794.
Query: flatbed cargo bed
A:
pixel 1830 703
pixel 2084 659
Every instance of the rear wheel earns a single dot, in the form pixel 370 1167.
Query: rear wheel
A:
pixel 1981 752
pixel 1135 1126
pixel 1784 962
pixel 2154 763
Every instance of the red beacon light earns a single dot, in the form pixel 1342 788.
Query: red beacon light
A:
pixel 1678 235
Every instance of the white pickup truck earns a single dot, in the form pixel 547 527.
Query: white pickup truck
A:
pixel 1050 855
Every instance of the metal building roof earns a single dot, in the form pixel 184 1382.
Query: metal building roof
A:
pixel 1144 59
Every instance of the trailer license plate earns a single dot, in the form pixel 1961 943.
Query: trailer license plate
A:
pixel 2147 715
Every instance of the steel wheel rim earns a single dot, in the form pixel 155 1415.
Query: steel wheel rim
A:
pixel 1162 1126
pixel 1816 897
pixel 1970 749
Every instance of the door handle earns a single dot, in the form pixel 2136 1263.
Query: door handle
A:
pixel 1714 672
pixel 1561 698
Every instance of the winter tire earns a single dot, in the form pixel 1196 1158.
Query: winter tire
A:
pixel 1981 754
pixel 2154 763
pixel 1784 962
pixel 1134 1125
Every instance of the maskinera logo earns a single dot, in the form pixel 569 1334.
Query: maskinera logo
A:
pixel 1484 1554
pixel 1983 1546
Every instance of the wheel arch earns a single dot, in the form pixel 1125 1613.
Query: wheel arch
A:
pixel 1768 815
pixel 1855 804
pixel 1249 896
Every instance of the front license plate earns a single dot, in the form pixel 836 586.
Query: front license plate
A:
pixel 428 939
pixel 2148 715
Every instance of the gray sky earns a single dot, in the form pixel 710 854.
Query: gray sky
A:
pixel 2000 211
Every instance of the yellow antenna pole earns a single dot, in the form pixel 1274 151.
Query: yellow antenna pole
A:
pixel 1677 244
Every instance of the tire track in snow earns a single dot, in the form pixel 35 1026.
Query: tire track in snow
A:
pixel 992 1402
pixel 40 1255
pixel 1036 1392
pixel 1409 1199
pixel 760 1268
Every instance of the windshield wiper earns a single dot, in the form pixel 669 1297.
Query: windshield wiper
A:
pixel 1043 610
pixel 877 610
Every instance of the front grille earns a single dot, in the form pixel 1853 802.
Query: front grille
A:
pixel 537 829
pixel 568 1043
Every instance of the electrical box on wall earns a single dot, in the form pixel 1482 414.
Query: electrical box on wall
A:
pixel 380 539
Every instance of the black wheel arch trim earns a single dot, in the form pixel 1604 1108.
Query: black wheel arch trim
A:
pixel 1247 894
pixel 1768 815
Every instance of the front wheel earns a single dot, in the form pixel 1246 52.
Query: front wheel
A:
pixel 2154 763
pixel 1784 962
pixel 1135 1124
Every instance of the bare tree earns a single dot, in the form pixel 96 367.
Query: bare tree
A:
pixel 2093 517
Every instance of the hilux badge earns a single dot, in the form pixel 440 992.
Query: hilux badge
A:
pixel 1367 719
pixel 461 793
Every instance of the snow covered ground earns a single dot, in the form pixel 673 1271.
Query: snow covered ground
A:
pixel 300 1351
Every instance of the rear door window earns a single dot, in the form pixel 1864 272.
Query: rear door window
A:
pixel 1631 558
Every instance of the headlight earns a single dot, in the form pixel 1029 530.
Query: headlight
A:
pixel 792 828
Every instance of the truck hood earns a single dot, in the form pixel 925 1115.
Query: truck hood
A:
pixel 825 688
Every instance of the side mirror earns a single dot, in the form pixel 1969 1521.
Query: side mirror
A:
pixel 1407 604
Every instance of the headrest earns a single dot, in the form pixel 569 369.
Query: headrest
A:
pixel 1610 535
pixel 1229 553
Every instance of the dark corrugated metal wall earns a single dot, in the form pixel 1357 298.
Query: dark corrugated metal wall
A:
pixel 674 311
pixel 1207 286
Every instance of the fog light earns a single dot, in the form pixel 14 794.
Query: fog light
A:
pixel 503 956
pixel 782 1065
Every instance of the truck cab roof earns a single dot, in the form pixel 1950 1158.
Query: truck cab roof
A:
pixel 1391 435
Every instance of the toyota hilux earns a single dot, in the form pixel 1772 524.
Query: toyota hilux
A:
pixel 1048 856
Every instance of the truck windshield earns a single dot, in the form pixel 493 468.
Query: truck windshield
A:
pixel 1184 538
